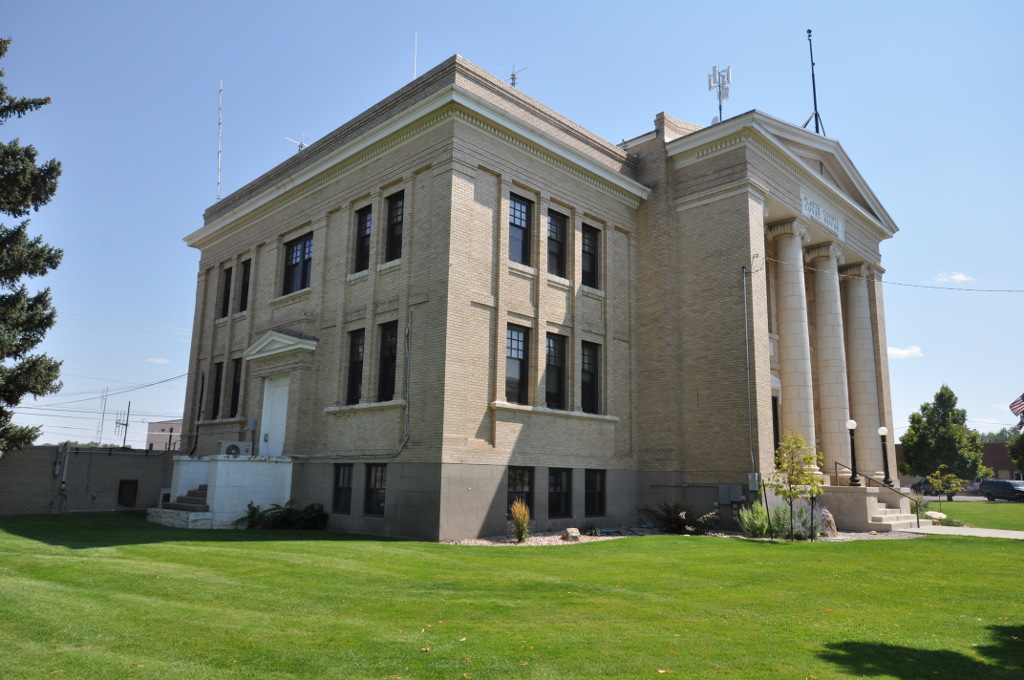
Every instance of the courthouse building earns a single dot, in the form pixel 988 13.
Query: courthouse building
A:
pixel 460 297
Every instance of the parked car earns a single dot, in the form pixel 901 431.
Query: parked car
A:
pixel 1007 489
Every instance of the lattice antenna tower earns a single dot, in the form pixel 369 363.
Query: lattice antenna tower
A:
pixel 720 80
pixel 513 76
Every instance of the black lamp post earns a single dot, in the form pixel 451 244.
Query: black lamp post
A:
pixel 851 425
pixel 882 431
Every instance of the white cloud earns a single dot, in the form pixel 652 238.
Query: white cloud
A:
pixel 158 361
pixel 911 352
pixel 954 277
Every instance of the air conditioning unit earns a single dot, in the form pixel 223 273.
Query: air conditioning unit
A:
pixel 234 449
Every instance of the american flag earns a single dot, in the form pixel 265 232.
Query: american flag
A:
pixel 1018 405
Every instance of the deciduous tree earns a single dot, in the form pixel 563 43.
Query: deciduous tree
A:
pixel 25 185
pixel 938 435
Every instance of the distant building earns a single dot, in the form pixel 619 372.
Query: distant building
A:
pixel 461 297
pixel 164 435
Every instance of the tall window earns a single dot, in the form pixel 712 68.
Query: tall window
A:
pixel 554 377
pixel 218 385
pixel 342 488
pixel 355 367
pixel 556 243
pixel 519 219
pixel 376 489
pixel 559 492
pixel 594 494
pixel 225 292
pixel 236 387
pixel 364 220
pixel 298 263
pixel 517 353
pixel 589 377
pixel 396 218
pixel 520 485
pixel 243 293
pixel 388 359
pixel 591 242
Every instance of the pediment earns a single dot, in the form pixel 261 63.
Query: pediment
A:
pixel 276 343
pixel 819 163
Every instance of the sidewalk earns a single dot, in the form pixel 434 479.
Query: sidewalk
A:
pixel 936 529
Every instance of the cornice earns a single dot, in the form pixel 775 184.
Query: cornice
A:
pixel 448 102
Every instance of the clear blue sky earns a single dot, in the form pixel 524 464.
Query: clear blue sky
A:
pixel 925 97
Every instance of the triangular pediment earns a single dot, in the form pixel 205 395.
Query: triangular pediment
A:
pixel 820 163
pixel 275 343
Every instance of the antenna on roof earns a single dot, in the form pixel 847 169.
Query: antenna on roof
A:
pixel 819 127
pixel 302 145
pixel 720 80
pixel 514 75
pixel 415 52
pixel 220 126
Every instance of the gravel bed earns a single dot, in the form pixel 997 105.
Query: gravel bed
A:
pixel 555 537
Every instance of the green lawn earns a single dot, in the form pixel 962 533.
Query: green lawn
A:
pixel 109 596
pixel 994 515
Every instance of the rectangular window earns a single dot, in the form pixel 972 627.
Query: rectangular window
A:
pixel 342 488
pixel 517 353
pixel 236 387
pixel 396 218
pixel 298 263
pixel 388 359
pixel 559 492
pixel 364 220
pixel 591 240
pixel 594 495
pixel 243 294
pixel 355 367
pixel 376 488
pixel 519 219
pixel 218 384
pixel 556 243
pixel 520 485
pixel 554 377
pixel 225 292
pixel 589 401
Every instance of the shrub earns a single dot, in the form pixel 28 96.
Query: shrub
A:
pixel 591 529
pixel 677 518
pixel 754 521
pixel 804 526
pixel 313 517
pixel 519 511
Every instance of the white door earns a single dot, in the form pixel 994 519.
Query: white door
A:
pixel 275 415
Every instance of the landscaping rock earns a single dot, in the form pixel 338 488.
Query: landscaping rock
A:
pixel 572 535
pixel 828 523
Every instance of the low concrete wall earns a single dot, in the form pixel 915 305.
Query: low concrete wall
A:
pixel 236 482
pixel 189 473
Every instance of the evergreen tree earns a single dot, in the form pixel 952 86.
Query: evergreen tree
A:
pixel 24 318
pixel 938 435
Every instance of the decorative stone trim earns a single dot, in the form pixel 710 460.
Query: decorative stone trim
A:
pixel 823 251
pixel 338 409
pixel 790 227
pixel 544 411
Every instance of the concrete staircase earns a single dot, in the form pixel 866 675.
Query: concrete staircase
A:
pixel 193 501
pixel 887 518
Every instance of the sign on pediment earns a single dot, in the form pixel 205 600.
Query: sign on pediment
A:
pixel 814 208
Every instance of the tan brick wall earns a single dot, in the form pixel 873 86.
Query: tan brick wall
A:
pixel 28 484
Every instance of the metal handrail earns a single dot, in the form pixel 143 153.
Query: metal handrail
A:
pixel 917 506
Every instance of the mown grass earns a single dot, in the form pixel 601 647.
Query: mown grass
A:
pixel 994 515
pixel 109 596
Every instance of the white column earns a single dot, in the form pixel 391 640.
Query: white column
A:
pixel 830 358
pixel 861 368
pixel 796 407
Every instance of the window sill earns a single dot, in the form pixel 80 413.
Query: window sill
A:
pixel 224 421
pixel 521 268
pixel 559 281
pixel 386 266
pixel 543 410
pixel 592 292
pixel 371 406
pixel 357 275
pixel 290 297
